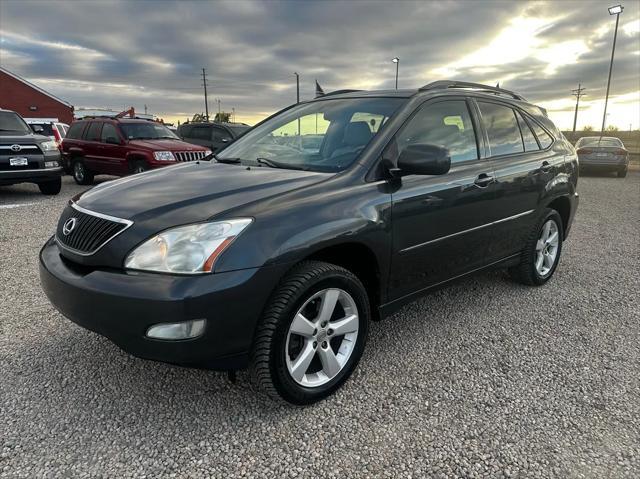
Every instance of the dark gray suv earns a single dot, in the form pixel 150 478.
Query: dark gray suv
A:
pixel 27 157
pixel 277 258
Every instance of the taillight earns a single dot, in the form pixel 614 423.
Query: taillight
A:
pixel 584 151
pixel 620 152
pixel 56 136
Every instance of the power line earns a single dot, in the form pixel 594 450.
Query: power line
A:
pixel 577 93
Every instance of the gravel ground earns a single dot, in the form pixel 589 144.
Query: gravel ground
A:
pixel 486 378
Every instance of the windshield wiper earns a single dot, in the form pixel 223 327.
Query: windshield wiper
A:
pixel 278 164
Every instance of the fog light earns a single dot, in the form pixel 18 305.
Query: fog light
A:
pixel 173 331
pixel 50 164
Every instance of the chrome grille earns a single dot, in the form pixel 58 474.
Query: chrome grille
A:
pixel 189 155
pixel 90 231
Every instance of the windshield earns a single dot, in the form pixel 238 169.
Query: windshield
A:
pixel 146 131
pixel 596 141
pixel 326 135
pixel 11 122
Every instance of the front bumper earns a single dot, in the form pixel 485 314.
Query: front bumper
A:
pixel 123 305
pixel 40 175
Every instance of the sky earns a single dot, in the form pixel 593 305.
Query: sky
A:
pixel 113 54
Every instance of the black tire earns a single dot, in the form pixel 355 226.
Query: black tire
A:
pixel 81 174
pixel 526 272
pixel 139 166
pixel 52 187
pixel 622 173
pixel 269 368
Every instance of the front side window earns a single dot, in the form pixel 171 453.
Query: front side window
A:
pixel 446 124
pixel 109 131
pixel 218 134
pixel 326 135
pixel 146 131
pixel 11 122
pixel 502 128
pixel 200 133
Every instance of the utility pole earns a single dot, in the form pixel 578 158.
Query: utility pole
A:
pixel 577 93
pixel 218 100
pixel 298 96
pixel 206 100
pixel 233 115
pixel 145 109
pixel 617 10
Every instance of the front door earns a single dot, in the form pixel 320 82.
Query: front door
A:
pixel 112 151
pixel 441 224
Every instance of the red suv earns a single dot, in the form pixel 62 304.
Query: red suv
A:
pixel 118 146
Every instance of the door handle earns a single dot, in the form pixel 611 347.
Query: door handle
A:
pixel 483 180
pixel 546 167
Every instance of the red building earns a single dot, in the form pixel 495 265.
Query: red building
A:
pixel 30 101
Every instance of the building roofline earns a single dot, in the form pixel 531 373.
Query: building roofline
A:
pixel 35 87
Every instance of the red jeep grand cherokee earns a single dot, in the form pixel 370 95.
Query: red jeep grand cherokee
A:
pixel 119 146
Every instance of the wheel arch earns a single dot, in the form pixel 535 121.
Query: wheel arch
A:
pixel 562 205
pixel 361 261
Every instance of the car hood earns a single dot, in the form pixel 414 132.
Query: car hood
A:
pixel 166 145
pixel 191 192
pixel 27 139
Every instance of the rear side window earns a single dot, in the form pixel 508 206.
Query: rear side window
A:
pixel 446 124
pixel 93 132
pixel 502 128
pixel 75 131
pixel 530 143
pixel 543 137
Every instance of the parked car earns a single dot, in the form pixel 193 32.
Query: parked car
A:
pixel 603 153
pixel 214 136
pixel 280 263
pixel 121 146
pixel 50 127
pixel 26 156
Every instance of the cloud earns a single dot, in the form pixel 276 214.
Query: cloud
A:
pixel 115 54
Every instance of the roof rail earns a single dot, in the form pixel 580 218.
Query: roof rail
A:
pixel 338 92
pixel 443 84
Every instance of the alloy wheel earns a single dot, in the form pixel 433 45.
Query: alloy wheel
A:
pixel 322 337
pixel 78 171
pixel 547 248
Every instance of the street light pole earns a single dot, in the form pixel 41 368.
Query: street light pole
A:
pixel 396 60
pixel 616 10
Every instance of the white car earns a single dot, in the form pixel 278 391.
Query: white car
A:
pixel 50 127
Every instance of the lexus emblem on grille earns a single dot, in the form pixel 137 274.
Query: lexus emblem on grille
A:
pixel 16 148
pixel 69 226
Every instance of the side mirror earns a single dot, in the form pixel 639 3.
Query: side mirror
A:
pixel 424 159
pixel 112 140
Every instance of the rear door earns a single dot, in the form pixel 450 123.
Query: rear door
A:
pixel 441 224
pixel 92 146
pixel 524 166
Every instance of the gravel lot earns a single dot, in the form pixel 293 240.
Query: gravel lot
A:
pixel 487 378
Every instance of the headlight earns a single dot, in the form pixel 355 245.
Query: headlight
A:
pixel 164 156
pixel 49 145
pixel 191 249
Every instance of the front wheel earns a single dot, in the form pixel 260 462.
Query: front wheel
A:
pixel 139 166
pixel 312 334
pixel 52 187
pixel 541 254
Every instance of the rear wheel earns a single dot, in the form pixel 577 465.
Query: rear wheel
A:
pixel 622 173
pixel 541 253
pixel 81 174
pixel 312 334
pixel 52 187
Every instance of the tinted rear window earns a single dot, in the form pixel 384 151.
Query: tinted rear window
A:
pixel 610 142
pixel 502 128
pixel 47 128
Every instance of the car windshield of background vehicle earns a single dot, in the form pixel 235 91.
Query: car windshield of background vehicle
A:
pixel 146 131
pixel 610 142
pixel 11 122
pixel 325 136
